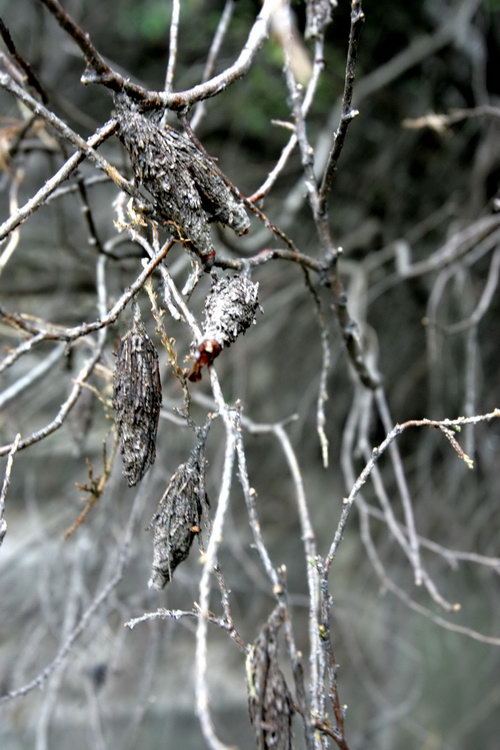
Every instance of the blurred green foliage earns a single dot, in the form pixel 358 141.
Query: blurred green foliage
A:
pixel 493 6
pixel 149 19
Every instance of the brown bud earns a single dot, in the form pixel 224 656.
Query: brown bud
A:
pixel 137 400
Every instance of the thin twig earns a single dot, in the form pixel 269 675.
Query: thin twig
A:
pixel 178 614
pixel 348 113
pixel 377 452
pixel 181 100
pixel 6 485
pixel 61 127
pixel 250 499
pixel 172 47
pixel 66 648
pixel 310 552
pixel 31 78
pixel 53 183
pixel 273 175
pixel 71 334
pixel 13 208
pixel 397 464
pixel 201 688
pixel 325 368
pixel 213 54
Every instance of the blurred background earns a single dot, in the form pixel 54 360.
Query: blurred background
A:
pixel 403 191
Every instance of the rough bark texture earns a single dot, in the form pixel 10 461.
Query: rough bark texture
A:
pixel 177 519
pixel 268 696
pixel 188 189
pixel 137 400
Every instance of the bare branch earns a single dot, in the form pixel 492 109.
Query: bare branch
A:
pixel 9 85
pixel 71 334
pixel 6 485
pixel 53 183
pixel 210 561
pixel 181 100
pixel 377 452
pixel 213 54
pixel 65 650
pixel 347 114
pixel 30 76
pixel 172 47
pixel 318 67
pixel 92 56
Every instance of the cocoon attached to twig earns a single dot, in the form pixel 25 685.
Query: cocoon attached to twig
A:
pixel 137 400
pixel 178 518
pixel 230 309
pixel 268 695
pixel 188 188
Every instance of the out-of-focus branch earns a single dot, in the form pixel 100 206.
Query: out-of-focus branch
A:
pixel 31 78
pixel 31 377
pixel 451 556
pixel 377 452
pixel 441 122
pixel 65 408
pixel 213 54
pixel 122 556
pixel 71 334
pixel 82 376
pixel 404 493
pixel 483 230
pixel 180 100
pixel 31 205
pixel 51 119
pixel 484 301
pixel 402 595
pixel 92 56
